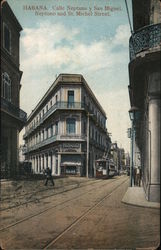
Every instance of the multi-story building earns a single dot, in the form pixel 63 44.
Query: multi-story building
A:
pixel 67 129
pixel 12 117
pixel 118 156
pixel 145 91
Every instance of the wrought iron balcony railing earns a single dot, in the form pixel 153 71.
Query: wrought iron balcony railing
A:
pixel 63 137
pixel 57 105
pixel 64 106
pixel 13 110
pixel 145 38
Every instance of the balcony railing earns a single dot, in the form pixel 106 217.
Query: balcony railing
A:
pixel 13 110
pixel 144 39
pixel 64 106
pixel 57 105
pixel 54 138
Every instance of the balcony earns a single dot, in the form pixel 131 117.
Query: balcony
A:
pixel 146 38
pixel 64 137
pixel 13 110
pixel 56 106
pixel 64 106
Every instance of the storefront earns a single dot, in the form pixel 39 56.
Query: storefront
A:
pixel 71 164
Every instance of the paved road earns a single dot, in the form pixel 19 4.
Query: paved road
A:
pixel 89 216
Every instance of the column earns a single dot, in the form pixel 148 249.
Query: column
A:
pixel 42 160
pixel 154 168
pixel 59 162
pixel 45 162
pixel 40 163
pixel 53 164
pixel 34 165
pixel 50 161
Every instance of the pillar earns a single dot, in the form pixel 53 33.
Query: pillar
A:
pixel 53 164
pixel 154 168
pixel 45 162
pixel 154 93
pixel 59 162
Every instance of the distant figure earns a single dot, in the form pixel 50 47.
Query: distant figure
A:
pixel 137 176
pixel 48 176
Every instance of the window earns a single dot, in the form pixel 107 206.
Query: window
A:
pixel 92 133
pixel 70 126
pixel 96 136
pixel 70 98
pixel 51 129
pixel 56 128
pixel 84 127
pixel 47 133
pixel 7 38
pixel 43 135
pixel 6 86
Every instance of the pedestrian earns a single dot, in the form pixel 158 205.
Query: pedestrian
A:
pixel 48 176
pixel 135 177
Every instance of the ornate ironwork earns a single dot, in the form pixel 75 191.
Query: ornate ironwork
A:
pixel 145 38
pixel 13 110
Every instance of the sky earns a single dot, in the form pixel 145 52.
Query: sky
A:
pixel 88 37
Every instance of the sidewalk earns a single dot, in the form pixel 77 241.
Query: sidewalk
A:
pixel 135 196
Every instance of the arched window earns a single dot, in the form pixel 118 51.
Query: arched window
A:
pixel 6 86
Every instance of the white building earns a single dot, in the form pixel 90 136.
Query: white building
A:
pixel 67 123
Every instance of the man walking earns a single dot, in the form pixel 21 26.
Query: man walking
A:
pixel 48 176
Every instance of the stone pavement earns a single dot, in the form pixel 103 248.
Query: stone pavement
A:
pixel 135 196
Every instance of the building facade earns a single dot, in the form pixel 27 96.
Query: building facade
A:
pixel 12 117
pixel 118 156
pixel 145 91
pixel 67 129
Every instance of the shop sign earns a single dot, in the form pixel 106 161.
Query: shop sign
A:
pixel 71 145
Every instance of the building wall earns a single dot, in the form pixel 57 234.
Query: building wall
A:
pixel 145 93
pixel 65 148
pixel 12 118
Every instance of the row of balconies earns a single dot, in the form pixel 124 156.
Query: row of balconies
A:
pixel 11 109
pixel 66 137
pixel 62 105
pixel 146 38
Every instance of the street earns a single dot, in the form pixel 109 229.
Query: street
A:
pixel 78 213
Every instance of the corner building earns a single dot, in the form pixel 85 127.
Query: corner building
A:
pixel 145 91
pixel 12 117
pixel 66 122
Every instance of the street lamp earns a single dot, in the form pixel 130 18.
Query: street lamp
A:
pixel 134 115
pixel 87 159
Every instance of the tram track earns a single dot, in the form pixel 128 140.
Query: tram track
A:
pixel 54 240
pixel 39 191
pixel 47 196
pixel 54 206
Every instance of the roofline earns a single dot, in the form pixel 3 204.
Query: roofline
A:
pixel 55 84
pixel 5 4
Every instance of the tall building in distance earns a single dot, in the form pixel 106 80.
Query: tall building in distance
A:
pixel 12 117
pixel 145 91
pixel 67 129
